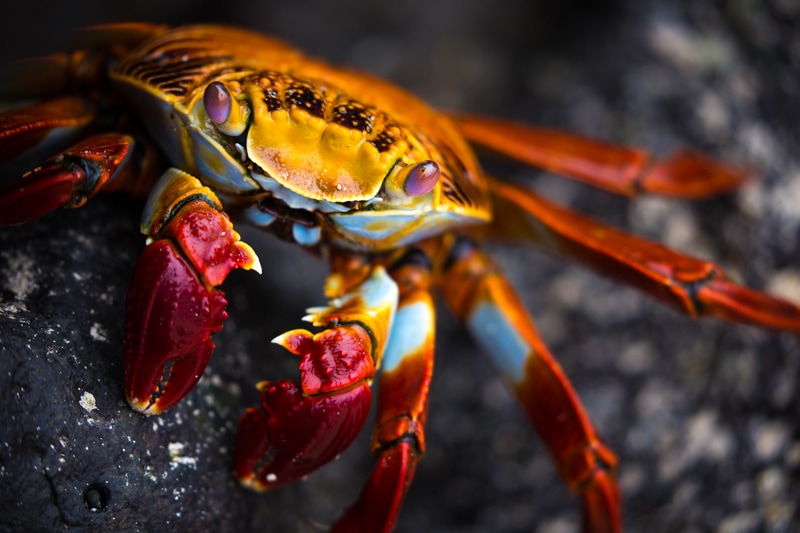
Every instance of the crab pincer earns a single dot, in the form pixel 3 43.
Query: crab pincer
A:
pixel 302 426
pixel 173 304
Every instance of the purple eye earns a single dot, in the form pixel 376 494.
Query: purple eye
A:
pixel 217 99
pixel 421 179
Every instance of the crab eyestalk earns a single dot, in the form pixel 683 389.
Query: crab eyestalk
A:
pixel 302 426
pixel 173 307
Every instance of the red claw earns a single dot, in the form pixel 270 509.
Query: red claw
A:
pixel 295 434
pixel 302 427
pixel 173 306
pixel 170 317
pixel 332 359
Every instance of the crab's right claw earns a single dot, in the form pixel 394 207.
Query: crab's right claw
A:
pixel 173 307
pixel 170 317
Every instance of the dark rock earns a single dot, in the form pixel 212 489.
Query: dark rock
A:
pixel 703 415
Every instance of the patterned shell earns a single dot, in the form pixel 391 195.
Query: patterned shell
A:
pixel 325 133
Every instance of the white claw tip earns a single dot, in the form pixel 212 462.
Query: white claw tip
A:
pixel 256 265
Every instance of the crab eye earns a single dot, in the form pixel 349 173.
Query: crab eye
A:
pixel 217 100
pixel 421 179
pixel 413 180
pixel 225 111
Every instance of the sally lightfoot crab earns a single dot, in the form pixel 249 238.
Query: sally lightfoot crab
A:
pixel 384 189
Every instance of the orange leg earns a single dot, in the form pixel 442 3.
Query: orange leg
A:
pixel 690 285
pixel 398 439
pixel 621 170
pixel 481 297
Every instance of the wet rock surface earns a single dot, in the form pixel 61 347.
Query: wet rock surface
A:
pixel 704 415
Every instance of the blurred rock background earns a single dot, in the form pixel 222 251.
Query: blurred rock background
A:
pixel 703 415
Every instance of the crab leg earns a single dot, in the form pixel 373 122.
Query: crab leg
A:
pixel 302 426
pixel 481 297
pixel 621 170
pixel 398 439
pixel 67 179
pixel 690 285
pixel 84 68
pixel 44 128
pixel 173 305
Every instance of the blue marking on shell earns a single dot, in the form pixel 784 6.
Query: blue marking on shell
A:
pixel 384 229
pixel 498 337
pixel 216 166
pixel 202 156
pixel 257 217
pixel 412 325
pixel 305 235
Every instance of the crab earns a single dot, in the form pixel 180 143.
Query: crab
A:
pixel 216 124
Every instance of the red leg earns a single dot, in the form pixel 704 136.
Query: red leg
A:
pixel 480 296
pixel 302 426
pixel 44 131
pixel 43 128
pixel 690 285
pixel 621 170
pixel 398 439
pixel 173 307
pixel 69 178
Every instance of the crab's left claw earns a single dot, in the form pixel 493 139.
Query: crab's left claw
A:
pixel 302 426
pixel 294 432
pixel 173 307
